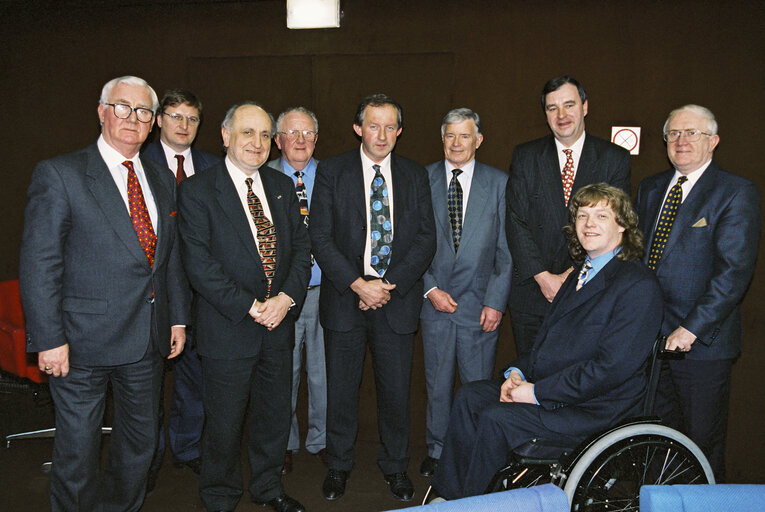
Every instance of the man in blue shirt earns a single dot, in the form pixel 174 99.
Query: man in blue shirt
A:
pixel 297 131
pixel 586 370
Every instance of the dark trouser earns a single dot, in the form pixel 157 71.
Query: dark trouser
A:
pixel 525 329
pixel 80 400
pixel 184 426
pixel 481 435
pixel 263 382
pixel 392 362
pixel 693 397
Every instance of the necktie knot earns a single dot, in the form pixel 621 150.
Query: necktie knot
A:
pixel 129 165
pixel 298 174
pixel 456 172
pixel 682 179
pixel 584 274
pixel 248 182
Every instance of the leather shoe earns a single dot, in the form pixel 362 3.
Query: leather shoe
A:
pixel 428 466
pixel 322 456
pixel 282 504
pixel 333 487
pixel 400 485
pixel 287 467
pixel 194 465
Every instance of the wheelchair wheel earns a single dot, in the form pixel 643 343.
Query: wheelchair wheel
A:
pixel 608 476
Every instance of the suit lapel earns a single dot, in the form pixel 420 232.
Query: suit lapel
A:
pixel 354 176
pixel 574 298
pixel 552 183
pixel 477 201
pixel 277 205
pixel 439 191
pixel 585 167
pixel 229 202
pixel 107 195
pixel 653 201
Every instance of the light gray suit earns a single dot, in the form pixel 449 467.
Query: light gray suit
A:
pixel 476 275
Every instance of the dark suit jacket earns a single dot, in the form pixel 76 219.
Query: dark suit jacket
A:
pixel 589 358
pixel 202 159
pixel 709 258
pixel 223 264
pixel 84 277
pixel 536 212
pixel 478 274
pixel 338 233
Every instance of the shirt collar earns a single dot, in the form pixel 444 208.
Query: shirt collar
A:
pixel 576 147
pixel 111 156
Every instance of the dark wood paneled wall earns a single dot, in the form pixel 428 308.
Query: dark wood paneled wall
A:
pixel 638 60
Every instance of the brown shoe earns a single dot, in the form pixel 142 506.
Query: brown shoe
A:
pixel 287 467
pixel 322 456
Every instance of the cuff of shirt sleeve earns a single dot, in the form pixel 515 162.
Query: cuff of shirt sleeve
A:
pixel 509 370
pixel 427 292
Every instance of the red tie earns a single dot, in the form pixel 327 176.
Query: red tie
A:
pixel 180 174
pixel 568 175
pixel 140 214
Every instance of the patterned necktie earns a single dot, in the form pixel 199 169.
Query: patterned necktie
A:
pixel 454 201
pixel 140 214
pixel 266 235
pixel 666 219
pixel 180 174
pixel 567 175
pixel 302 196
pixel 381 230
pixel 583 274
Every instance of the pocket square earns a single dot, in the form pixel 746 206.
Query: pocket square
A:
pixel 700 223
pixel 173 213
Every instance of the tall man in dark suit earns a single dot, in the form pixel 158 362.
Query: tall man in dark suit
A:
pixel 468 282
pixel 586 370
pixel 543 175
pixel 178 118
pixel 102 283
pixel 297 131
pixel 373 236
pixel 247 254
pixel 704 224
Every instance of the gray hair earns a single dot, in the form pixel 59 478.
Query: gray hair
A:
pixel 228 119
pixel 457 115
pixel 106 92
pixel 300 110
pixel 696 109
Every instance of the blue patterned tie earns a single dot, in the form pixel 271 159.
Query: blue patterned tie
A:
pixel 454 201
pixel 381 230
pixel 583 275
pixel 666 219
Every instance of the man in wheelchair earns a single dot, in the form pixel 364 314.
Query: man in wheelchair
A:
pixel 586 371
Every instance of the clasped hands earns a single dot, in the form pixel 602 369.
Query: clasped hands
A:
pixel 272 311
pixel 517 390
pixel 372 294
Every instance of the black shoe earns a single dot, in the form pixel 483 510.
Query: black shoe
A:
pixel 194 465
pixel 151 480
pixel 333 487
pixel 400 485
pixel 428 466
pixel 282 504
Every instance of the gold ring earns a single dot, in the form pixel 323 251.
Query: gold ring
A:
pixel 48 368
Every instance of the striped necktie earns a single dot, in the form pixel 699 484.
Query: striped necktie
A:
pixel 266 235
pixel 583 275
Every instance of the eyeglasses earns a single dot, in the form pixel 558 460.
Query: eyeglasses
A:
pixel 123 111
pixel 691 135
pixel 308 135
pixel 178 118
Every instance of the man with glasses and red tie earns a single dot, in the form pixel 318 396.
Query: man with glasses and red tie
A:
pixel 297 131
pixel 178 119
pixel 101 285
pixel 702 227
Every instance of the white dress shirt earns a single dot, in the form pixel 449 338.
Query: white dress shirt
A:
pixel 239 179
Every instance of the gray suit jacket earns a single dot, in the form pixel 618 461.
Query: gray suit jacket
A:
pixel 84 277
pixel 478 274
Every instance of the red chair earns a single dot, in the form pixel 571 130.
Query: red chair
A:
pixel 13 356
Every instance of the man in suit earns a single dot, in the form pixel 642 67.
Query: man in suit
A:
pixel 178 118
pixel 247 255
pixel 297 131
pixel 703 249
pixel 373 236
pixel 468 281
pixel 543 174
pixel 101 284
pixel 586 370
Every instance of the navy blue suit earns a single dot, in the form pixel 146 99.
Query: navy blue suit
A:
pixel 704 272
pixel 186 419
pixel 588 370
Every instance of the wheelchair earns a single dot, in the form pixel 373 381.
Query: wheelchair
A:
pixel 606 471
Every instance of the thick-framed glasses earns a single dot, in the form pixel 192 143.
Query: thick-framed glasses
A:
pixel 308 135
pixel 691 135
pixel 123 111
pixel 178 118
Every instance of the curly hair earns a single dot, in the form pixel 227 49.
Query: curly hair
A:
pixel 632 238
